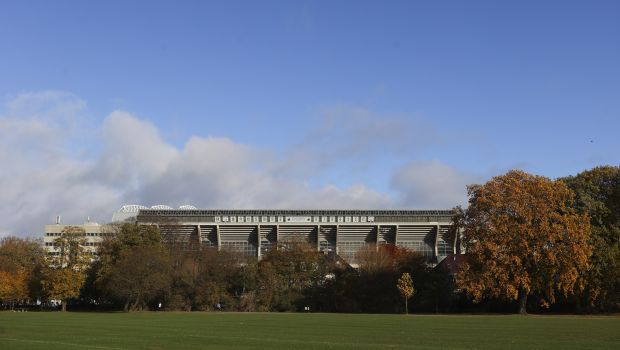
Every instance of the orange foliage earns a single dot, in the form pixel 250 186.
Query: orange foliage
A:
pixel 522 237
pixel 13 285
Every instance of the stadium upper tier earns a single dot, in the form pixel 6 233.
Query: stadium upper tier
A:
pixel 130 211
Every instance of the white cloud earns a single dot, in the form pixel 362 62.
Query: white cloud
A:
pixel 49 105
pixel 431 184
pixel 57 161
pixel 216 172
pixel 129 162
pixel 133 151
pixel 41 176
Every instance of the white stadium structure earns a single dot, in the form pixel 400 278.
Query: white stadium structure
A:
pixel 254 232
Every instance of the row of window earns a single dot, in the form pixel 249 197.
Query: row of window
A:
pixel 194 213
pixel 87 234
pixel 85 244
pixel 414 219
pixel 274 219
pixel 58 253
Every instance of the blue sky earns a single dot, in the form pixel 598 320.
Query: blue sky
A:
pixel 386 95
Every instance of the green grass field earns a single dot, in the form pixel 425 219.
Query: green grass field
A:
pixel 54 330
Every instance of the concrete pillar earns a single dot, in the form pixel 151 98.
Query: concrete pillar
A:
pixel 199 237
pixel 460 247
pixel 259 243
pixel 454 240
pixel 318 236
pixel 396 235
pixel 337 236
pixel 436 240
pixel 219 239
pixel 377 238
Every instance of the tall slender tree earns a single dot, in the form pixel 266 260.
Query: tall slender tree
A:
pixel 405 287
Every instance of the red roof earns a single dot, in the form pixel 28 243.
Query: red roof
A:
pixel 452 263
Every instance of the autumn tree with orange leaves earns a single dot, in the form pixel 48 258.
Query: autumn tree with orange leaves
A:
pixel 21 260
pixel 522 238
pixel 13 285
pixel 65 273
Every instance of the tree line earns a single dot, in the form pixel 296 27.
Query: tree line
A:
pixel 136 270
pixel 532 244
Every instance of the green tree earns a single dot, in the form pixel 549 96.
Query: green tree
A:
pixel 216 281
pixel 65 271
pixel 203 279
pixel 597 194
pixel 133 266
pixel 523 237
pixel 185 274
pixel 117 239
pixel 405 287
pixel 139 276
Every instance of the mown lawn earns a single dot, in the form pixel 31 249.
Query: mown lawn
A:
pixel 149 330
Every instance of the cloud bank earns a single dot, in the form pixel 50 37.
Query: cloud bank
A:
pixel 56 163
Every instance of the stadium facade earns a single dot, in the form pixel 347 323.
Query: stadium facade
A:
pixel 254 232
pixel 343 232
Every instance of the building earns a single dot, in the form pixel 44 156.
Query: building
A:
pixel 93 236
pixel 344 232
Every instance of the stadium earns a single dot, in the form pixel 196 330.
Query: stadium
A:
pixel 341 232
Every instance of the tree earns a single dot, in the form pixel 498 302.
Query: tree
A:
pixel 597 194
pixel 117 239
pixel 65 271
pixel 203 279
pixel 21 260
pixel 13 285
pixel 523 237
pixel 379 270
pixel 63 284
pixel 133 266
pixel 139 276
pixel 185 274
pixel 218 281
pixel 405 287
pixel 288 273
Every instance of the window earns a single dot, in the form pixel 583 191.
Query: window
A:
pixel 348 250
pixel 420 247
pixel 443 248
pixel 245 248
